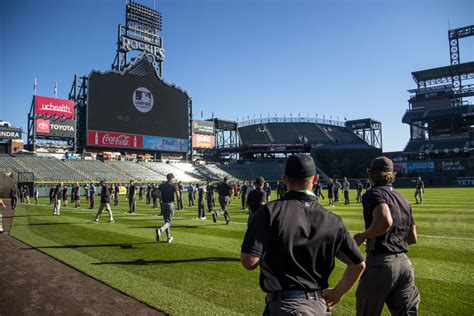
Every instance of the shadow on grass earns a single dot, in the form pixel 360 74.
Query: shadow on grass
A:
pixel 141 262
pixel 47 224
pixel 123 246
pixel 174 226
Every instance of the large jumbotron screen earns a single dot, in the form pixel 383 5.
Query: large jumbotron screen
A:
pixel 137 110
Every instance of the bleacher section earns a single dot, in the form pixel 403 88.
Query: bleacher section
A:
pixel 97 170
pixel 136 171
pixel 164 168
pixel 270 170
pixel 298 133
pixel 50 169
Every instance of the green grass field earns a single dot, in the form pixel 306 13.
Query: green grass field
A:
pixel 200 273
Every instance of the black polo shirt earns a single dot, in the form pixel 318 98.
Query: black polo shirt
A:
pixel 297 241
pixel 255 199
pixel 105 195
pixel 395 240
pixel 210 190
pixel 224 189
pixel 56 192
pixel 168 191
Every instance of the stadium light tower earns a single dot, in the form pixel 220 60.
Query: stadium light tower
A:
pixel 141 33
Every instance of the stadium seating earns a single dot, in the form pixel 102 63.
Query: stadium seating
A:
pixel 51 169
pixel 270 170
pixel 164 168
pixel 136 171
pixel 9 164
pixel 97 170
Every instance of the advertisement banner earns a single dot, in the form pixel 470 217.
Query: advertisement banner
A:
pixel 203 141
pixel 166 144
pixel 452 165
pixel 400 167
pixel 54 107
pixel 420 166
pixel 117 140
pixel 56 127
pixel 203 127
pixel 10 133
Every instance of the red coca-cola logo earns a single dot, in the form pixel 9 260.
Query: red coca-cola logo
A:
pixel 110 139
pixel 121 140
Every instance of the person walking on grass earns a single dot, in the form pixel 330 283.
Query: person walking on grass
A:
pixel 57 200
pixel 191 195
pixel 390 228
pixel 92 191
pixel 346 186
pixel 420 189
pixel 169 191
pixel 359 188
pixel 36 195
pixel 65 196
pixel 210 195
pixel 331 193
pixel 14 193
pixel 116 194
pixel 200 204
pixel 318 190
pixel 104 203
pixel 77 195
pixel 256 198
pixel 225 192
pixel 296 241
pixel 132 194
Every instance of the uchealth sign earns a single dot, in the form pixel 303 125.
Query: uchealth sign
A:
pixel 115 140
pixel 55 127
pixel 54 107
pixel 203 141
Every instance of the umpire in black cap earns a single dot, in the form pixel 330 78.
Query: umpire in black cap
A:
pixel 295 241
pixel 390 228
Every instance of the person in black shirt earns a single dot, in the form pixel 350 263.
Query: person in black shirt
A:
pixel 225 191
pixel 116 194
pixel 243 195
pixel 331 193
pixel 256 198
pixel 77 195
pixel 390 228
pixel 337 187
pixel 295 241
pixel 420 189
pixel 51 190
pixel 210 196
pixel 148 194
pixel 132 194
pixel 201 207
pixel 180 199
pixel 27 194
pixel 318 190
pixel 104 203
pixel 191 195
pixel 65 196
pixel 57 200
pixel 140 193
pixel 155 194
pixel 168 192
pixel 359 188
pixel 14 192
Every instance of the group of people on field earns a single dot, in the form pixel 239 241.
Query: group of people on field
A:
pixel 293 239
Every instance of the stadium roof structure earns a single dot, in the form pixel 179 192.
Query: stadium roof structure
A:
pixel 440 75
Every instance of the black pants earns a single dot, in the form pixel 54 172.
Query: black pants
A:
pixel 91 200
pixel 131 204
pixel 243 197
pixel 346 197
pixel 148 198
pixel 191 199
pixel 155 202
pixel 210 203
pixel 14 202
pixel 116 200
pixel 180 203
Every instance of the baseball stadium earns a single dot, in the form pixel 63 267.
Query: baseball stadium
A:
pixel 124 133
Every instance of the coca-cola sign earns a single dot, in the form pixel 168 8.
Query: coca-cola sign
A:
pixel 54 107
pixel 110 139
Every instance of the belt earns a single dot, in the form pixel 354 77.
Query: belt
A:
pixel 284 295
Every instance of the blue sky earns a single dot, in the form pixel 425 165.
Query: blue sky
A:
pixel 239 58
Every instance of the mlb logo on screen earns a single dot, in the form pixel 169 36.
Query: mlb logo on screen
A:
pixel 142 100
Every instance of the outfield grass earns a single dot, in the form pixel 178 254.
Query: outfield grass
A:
pixel 200 274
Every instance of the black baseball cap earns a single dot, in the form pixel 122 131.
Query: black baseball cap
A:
pixel 300 166
pixel 381 163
